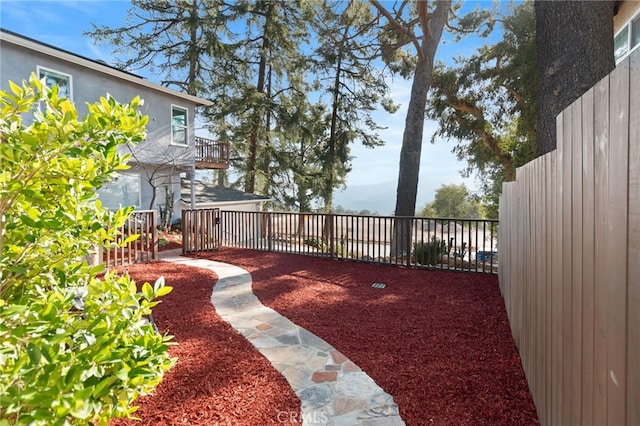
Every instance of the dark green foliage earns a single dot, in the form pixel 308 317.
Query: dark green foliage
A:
pixel 452 201
pixel 487 104
pixel 430 252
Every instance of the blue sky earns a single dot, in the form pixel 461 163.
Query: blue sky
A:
pixel 62 23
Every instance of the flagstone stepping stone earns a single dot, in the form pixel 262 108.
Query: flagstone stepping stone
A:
pixel 332 389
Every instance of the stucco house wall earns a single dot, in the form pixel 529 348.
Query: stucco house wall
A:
pixel 626 10
pixel 156 158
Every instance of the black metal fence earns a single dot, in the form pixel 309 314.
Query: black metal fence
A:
pixel 437 243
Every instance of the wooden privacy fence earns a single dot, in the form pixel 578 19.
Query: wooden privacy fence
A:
pixel 200 230
pixel 457 244
pixel 142 249
pixel 570 259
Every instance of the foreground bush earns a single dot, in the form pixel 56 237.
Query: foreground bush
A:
pixel 75 347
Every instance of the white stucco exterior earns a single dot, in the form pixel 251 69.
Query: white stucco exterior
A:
pixel 158 158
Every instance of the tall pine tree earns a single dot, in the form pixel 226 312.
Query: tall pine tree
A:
pixel 352 83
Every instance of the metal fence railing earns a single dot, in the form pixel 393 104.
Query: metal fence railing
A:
pixel 437 243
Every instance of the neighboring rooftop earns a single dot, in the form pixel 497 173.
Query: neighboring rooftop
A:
pixel 208 193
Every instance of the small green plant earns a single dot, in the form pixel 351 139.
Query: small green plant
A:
pixel 76 345
pixel 338 250
pixel 315 242
pixel 462 252
pixel 163 242
pixel 429 252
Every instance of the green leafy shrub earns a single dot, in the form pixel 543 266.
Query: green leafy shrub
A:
pixel 429 252
pixel 163 242
pixel 316 243
pixel 76 347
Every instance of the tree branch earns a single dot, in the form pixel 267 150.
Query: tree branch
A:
pixel 462 107
pixel 398 26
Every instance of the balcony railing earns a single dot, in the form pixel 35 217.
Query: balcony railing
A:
pixel 211 154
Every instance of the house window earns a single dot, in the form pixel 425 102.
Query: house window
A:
pixel 122 191
pixel 53 78
pixel 627 39
pixel 178 125
pixel 635 32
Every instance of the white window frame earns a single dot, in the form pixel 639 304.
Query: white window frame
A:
pixel 629 27
pixel 185 127
pixel 57 75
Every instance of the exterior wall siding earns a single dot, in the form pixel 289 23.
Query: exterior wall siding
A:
pixel 625 12
pixel 88 85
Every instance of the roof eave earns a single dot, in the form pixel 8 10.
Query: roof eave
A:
pixel 96 66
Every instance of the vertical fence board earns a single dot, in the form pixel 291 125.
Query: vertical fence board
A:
pixel 617 244
pixel 633 275
pixel 567 295
pixel 557 284
pixel 538 267
pixel 588 259
pixel 534 341
pixel 601 154
pixel 542 279
pixel 576 261
pixel 550 180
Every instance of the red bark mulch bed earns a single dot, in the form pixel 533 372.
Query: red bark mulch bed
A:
pixel 219 378
pixel 438 341
pixel 169 241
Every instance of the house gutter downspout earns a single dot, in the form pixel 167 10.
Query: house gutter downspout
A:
pixel 193 186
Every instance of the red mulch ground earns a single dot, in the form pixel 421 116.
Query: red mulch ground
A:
pixel 219 379
pixel 169 240
pixel 438 341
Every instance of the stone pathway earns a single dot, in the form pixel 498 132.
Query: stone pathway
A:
pixel 332 389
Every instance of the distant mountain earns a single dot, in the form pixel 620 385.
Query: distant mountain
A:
pixel 377 198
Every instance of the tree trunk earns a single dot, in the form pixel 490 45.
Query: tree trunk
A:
pixel 194 56
pixel 575 51
pixel 407 190
pixel 252 160
pixel 331 158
